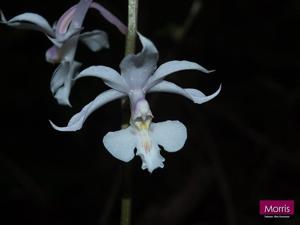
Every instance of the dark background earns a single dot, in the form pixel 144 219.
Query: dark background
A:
pixel 242 146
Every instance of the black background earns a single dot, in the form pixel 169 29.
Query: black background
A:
pixel 242 146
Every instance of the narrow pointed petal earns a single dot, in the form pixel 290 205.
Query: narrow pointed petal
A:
pixel 110 77
pixel 70 24
pixel 2 17
pixel 58 76
pixel 95 40
pixel 151 159
pixel 80 13
pixel 109 17
pixel 199 97
pixel 62 95
pixel 65 21
pixel 62 81
pixel 77 121
pixel 136 69
pixel 169 87
pixel 193 94
pixel 121 144
pixel 30 21
pixel 172 67
pixel 169 134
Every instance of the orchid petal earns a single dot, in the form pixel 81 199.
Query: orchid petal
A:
pixel 169 134
pixel 62 81
pixel 58 76
pixel 78 119
pixel 65 20
pixel 2 17
pixel 62 96
pixel 109 17
pixel 30 21
pixel 80 12
pixel 199 97
pixel 95 40
pixel 169 87
pixel 110 77
pixel 121 144
pixel 172 67
pixel 136 69
pixel 193 94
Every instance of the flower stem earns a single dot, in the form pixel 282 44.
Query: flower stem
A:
pixel 132 26
pixel 126 211
pixel 126 201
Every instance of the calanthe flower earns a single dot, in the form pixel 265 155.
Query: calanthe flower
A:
pixel 65 35
pixel 140 75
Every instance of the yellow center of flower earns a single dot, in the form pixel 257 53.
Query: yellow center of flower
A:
pixel 142 127
pixel 141 124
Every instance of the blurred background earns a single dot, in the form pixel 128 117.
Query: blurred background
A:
pixel 242 146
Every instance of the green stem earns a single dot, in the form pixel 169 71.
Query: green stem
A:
pixel 132 26
pixel 126 201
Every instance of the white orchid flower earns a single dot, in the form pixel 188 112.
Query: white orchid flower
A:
pixel 140 75
pixel 65 35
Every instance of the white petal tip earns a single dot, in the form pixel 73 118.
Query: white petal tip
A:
pixel 202 69
pixel 54 126
pixel 79 76
pixel 90 71
pixel 199 98
pixel 64 102
pixel 2 17
pixel 65 129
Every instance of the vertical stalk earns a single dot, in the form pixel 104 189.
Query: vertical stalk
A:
pixel 132 26
pixel 126 201
pixel 126 211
